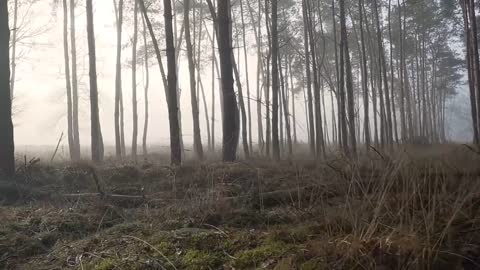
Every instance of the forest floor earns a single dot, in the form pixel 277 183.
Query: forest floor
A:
pixel 416 208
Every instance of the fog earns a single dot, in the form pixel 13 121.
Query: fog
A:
pixel 40 97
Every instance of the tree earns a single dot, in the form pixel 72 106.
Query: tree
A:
pixel 146 86
pixel 230 125
pixel 306 26
pixel 7 158
pixel 119 139
pixel 171 87
pixel 197 138
pixel 96 131
pixel 68 87
pixel 74 79
pixel 349 79
pixel 134 82
pixel 275 84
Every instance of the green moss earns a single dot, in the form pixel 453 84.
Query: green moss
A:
pixel 167 248
pixel 204 241
pixel 202 260
pixel 290 236
pixel 313 264
pixel 269 250
pixel 106 264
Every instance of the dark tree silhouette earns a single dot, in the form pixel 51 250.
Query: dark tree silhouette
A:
pixel 7 158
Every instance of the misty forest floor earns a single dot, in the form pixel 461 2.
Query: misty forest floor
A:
pixel 415 209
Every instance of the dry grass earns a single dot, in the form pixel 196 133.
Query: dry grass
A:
pixel 411 208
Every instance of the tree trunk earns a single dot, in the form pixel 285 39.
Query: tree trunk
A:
pixel 13 59
pixel 134 83
pixel 171 88
pixel 73 49
pixel 230 125
pixel 197 139
pixel 310 120
pixel 286 113
pixel 118 78
pixel 475 56
pixel 468 44
pixel 214 61
pixel 294 117
pixel 275 83
pixel 366 113
pixel 68 87
pixel 96 131
pixel 146 86
pixel 260 75
pixel 319 140
pixel 349 80
pixel 7 157
pixel 245 55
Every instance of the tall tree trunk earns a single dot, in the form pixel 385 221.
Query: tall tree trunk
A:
pixel 7 149
pixel 310 119
pixel 475 55
pixel 342 107
pixel 73 49
pixel 366 112
pixel 71 146
pixel 214 61
pixel 268 122
pixel 349 80
pixel 245 55
pixel 319 140
pixel 260 75
pixel 197 139
pixel 286 112
pixel 469 54
pixel 134 82
pixel 118 78
pixel 171 88
pixel 13 65
pixel 275 83
pixel 230 125
pixel 146 86
pixel 96 131
pixel 292 98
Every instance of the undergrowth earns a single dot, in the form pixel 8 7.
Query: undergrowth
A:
pixel 407 210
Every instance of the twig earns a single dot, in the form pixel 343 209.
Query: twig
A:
pixel 56 148
pixel 472 149
pixel 378 152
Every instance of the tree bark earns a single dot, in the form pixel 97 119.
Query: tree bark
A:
pixel 171 88
pixel 366 112
pixel 275 84
pixel 73 49
pixel 310 120
pixel 146 86
pixel 68 85
pixel 7 149
pixel 245 55
pixel 230 125
pixel 96 131
pixel 197 139
pixel 13 59
pixel 134 83
pixel 349 80
pixel 118 78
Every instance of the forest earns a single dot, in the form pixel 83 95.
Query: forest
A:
pixel 239 134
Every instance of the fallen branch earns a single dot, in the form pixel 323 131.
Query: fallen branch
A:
pixel 104 195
